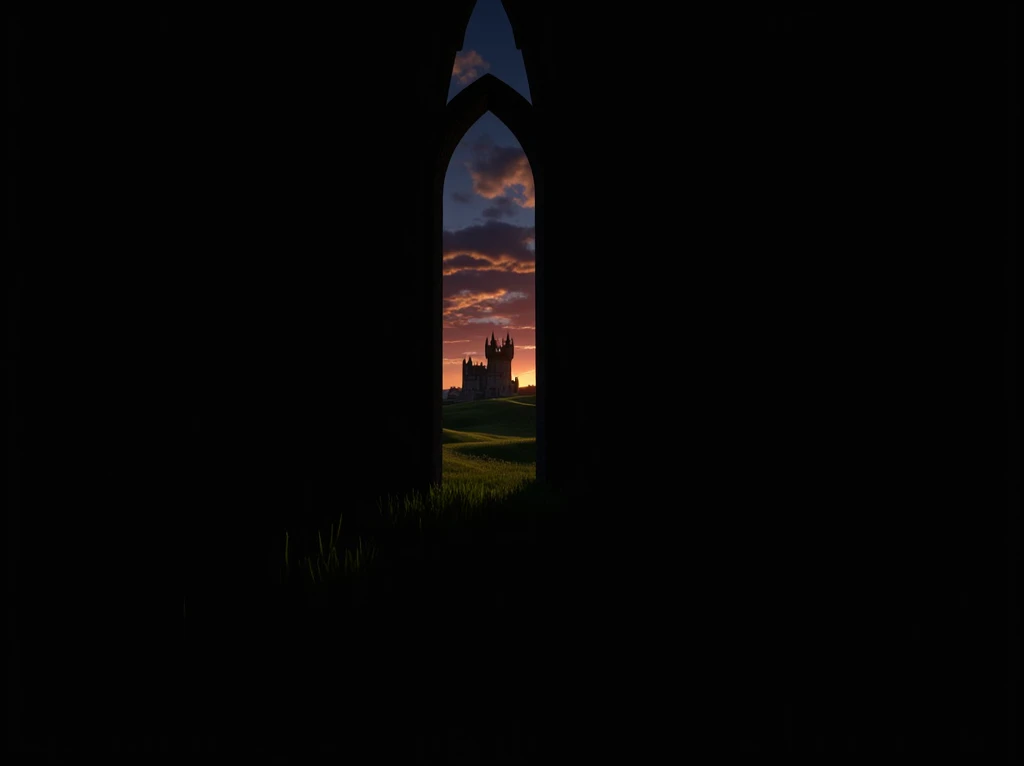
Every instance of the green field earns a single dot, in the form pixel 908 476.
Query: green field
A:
pixel 491 443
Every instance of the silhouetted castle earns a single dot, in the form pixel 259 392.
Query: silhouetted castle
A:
pixel 493 380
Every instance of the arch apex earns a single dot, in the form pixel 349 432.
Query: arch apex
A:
pixel 488 94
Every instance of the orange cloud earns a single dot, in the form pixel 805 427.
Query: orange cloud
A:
pixel 504 172
pixel 493 246
pixel 466 306
pixel 469 66
pixel 455 262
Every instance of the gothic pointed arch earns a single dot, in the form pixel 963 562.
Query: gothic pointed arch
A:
pixel 488 94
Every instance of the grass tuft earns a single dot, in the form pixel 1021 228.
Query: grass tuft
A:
pixel 488 472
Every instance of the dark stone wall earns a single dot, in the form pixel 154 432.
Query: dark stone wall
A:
pixel 221 219
pixel 809 207
pixel 811 225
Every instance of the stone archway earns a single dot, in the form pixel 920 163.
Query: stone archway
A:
pixel 489 94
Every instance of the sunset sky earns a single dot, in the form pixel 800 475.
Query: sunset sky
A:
pixel 488 215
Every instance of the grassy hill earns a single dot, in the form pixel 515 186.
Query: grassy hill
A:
pixel 491 442
pixel 512 416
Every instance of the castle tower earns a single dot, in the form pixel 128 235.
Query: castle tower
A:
pixel 494 379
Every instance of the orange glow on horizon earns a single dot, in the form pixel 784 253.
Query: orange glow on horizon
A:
pixel 528 378
pixel 452 375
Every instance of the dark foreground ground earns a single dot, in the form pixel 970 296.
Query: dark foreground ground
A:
pixel 475 646
pixel 553 638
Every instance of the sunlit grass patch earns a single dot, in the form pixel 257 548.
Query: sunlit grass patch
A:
pixel 451 436
pixel 502 450
pixel 459 498
pixel 478 463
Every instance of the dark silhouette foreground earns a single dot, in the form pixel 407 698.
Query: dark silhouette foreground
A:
pixel 790 235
